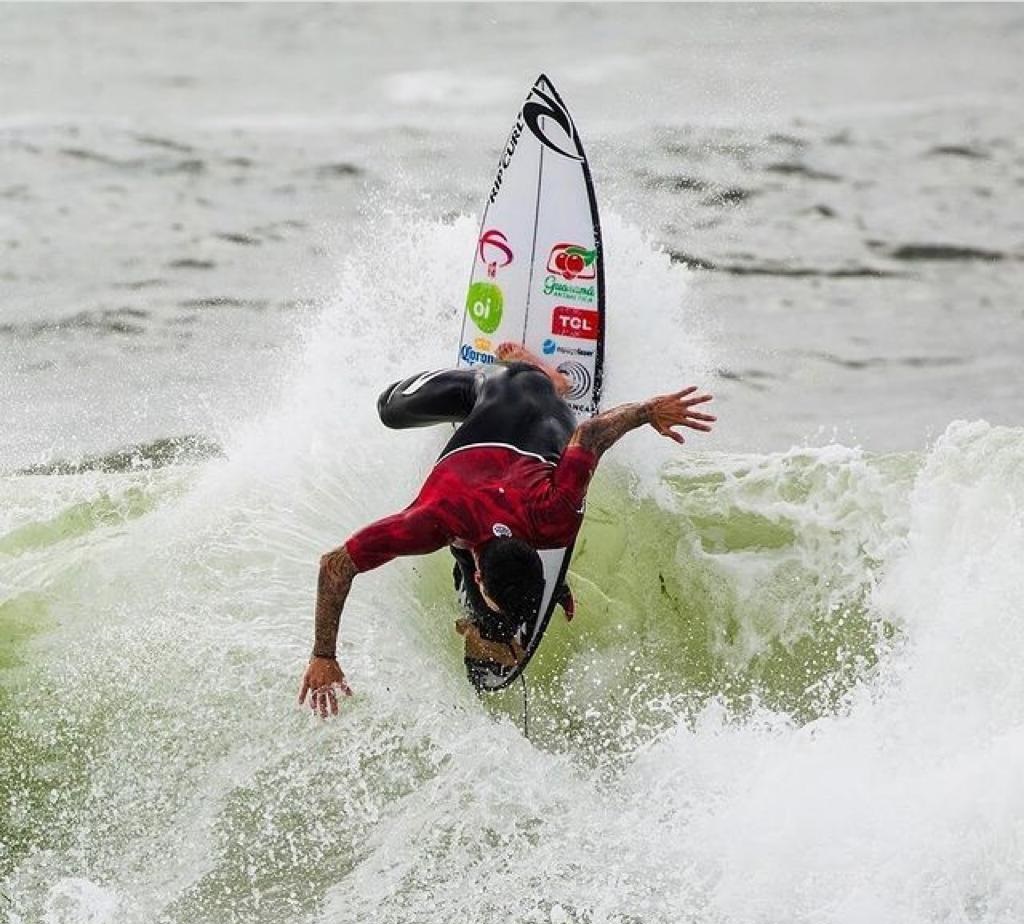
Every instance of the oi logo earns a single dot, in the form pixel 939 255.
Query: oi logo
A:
pixel 484 305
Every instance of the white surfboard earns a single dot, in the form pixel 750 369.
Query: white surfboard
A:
pixel 538 279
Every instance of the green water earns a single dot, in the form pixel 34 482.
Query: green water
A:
pixel 78 520
pixel 48 743
pixel 148 700
pixel 721 598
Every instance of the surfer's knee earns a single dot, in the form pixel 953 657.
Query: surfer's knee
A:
pixel 386 410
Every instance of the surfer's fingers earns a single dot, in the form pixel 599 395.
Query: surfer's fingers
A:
pixel 699 399
pixel 697 425
pixel 697 415
pixel 671 434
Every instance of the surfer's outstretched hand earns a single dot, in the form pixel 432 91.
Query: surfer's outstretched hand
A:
pixel 677 410
pixel 322 681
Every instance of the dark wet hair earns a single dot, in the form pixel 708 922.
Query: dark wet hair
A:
pixel 513 577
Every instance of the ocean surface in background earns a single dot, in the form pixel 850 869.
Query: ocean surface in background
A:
pixel 793 691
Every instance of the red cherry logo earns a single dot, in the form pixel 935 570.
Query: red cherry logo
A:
pixel 574 265
pixel 560 261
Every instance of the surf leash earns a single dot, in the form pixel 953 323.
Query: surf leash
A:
pixel 526 712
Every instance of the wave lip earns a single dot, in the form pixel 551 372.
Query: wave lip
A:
pixel 174 450
pixel 945 252
pixel 783 269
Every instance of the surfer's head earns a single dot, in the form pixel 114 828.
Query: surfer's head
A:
pixel 511 577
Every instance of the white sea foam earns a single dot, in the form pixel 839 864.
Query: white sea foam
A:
pixel 193 790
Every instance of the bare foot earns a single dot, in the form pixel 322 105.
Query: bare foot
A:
pixel 510 351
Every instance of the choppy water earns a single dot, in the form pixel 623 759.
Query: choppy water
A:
pixel 793 690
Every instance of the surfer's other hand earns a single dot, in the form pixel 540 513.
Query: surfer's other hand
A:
pixel 321 682
pixel 676 410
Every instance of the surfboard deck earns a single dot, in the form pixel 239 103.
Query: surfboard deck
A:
pixel 538 280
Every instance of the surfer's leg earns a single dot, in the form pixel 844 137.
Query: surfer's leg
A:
pixel 518 406
pixel 445 396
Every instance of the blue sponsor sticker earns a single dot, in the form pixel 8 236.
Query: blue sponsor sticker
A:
pixel 473 357
pixel 549 346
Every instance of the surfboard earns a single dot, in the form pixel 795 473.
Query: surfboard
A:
pixel 538 279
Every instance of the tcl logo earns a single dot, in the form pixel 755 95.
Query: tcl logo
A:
pixel 580 323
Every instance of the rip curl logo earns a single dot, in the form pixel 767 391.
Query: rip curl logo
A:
pixel 506 158
pixel 501 531
pixel 541 105
pixel 494 251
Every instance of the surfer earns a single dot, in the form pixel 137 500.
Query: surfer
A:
pixel 512 479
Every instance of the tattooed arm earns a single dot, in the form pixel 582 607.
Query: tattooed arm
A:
pixel 663 413
pixel 416 530
pixel 336 573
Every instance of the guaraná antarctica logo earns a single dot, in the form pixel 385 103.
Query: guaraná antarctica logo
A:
pixel 572 270
pixel 571 261
pixel 484 305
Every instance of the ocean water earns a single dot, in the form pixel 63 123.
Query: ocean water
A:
pixel 792 692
